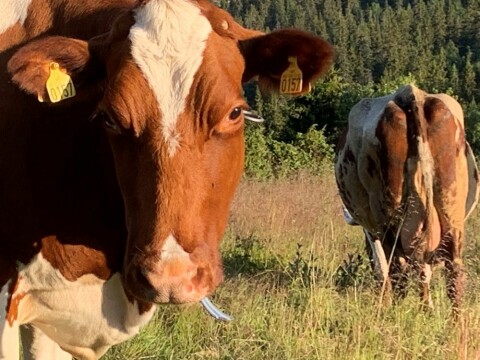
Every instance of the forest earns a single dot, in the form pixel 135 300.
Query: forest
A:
pixel 379 46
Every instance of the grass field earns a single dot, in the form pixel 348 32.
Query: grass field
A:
pixel 299 287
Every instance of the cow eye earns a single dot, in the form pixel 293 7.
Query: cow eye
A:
pixel 109 123
pixel 235 113
pixel 107 120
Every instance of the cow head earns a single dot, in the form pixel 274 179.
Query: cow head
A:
pixel 167 83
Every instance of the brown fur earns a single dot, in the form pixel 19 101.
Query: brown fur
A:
pixel 392 133
pixel 13 35
pixel 271 52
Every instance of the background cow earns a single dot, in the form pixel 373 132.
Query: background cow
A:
pixel 101 219
pixel 407 175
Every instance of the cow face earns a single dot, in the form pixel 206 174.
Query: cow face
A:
pixel 166 81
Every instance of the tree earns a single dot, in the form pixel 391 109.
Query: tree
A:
pixel 469 82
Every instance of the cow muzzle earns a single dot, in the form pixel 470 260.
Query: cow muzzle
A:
pixel 174 276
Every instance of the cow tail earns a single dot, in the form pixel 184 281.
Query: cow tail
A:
pixel 420 168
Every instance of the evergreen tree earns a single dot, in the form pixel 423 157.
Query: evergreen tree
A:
pixel 469 82
pixel 454 82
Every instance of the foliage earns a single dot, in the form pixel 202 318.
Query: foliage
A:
pixel 248 257
pixel 354 271
pixel 258 157
pixel 267 157
pixel 304 269
pixel 472 119
pixel 379 41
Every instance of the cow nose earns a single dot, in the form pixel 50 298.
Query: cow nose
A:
pixel 172 275
pixel 172 282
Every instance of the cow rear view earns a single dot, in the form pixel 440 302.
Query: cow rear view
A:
pixel 407 175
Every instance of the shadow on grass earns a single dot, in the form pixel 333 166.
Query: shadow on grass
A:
pixel 249 258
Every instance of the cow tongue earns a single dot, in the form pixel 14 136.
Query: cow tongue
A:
pixel 214 311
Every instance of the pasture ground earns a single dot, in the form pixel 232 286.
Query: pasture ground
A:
pixel 300 287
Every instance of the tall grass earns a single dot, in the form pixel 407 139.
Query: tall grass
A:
pixel 300 287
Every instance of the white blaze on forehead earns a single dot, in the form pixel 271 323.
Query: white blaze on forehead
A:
pixel 168 41
pixel 12 12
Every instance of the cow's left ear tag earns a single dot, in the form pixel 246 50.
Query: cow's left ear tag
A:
pixel 292 78
pixel 59 85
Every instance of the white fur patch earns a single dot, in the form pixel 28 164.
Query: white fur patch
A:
pixel 427 277
pixel 38 346
pixel 9 344
pixel 171 248
pixel 379 259
pixel 13 11
pixel 85 317
pixel 168 41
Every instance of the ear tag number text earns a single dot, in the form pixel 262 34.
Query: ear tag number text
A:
pixel 59 84
pixel 292 78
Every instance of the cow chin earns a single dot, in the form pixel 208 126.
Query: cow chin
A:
pixel 175 279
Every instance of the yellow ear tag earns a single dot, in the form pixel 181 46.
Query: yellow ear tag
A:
pixel 59 84
pixel 292 79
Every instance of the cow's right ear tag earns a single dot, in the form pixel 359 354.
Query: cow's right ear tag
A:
pixel 59 84
pixel 292 78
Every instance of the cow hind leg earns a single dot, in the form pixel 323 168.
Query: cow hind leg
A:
pixel 380 265
pixel 454 267
pixel 456 279
pixel 399 270
pixel 425 278
pixel 38 346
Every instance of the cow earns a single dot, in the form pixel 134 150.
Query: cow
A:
pixel 407 175
pixel 121 146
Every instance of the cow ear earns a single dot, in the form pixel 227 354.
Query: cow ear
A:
pixel 269 56
pixel 34 64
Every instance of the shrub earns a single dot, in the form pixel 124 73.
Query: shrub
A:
pixel 267 157
pixel 258 157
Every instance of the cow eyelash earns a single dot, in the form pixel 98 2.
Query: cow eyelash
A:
pixel 106 119
pixel 248 114
pixel 109 123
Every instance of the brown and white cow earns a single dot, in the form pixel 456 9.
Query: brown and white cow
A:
pixel 407 175
pixel 116 199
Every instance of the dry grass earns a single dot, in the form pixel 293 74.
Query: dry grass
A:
pixel 306 210
pixel 284 207
pixel 316 301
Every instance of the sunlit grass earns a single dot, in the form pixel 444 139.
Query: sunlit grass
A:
pixel 299 287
